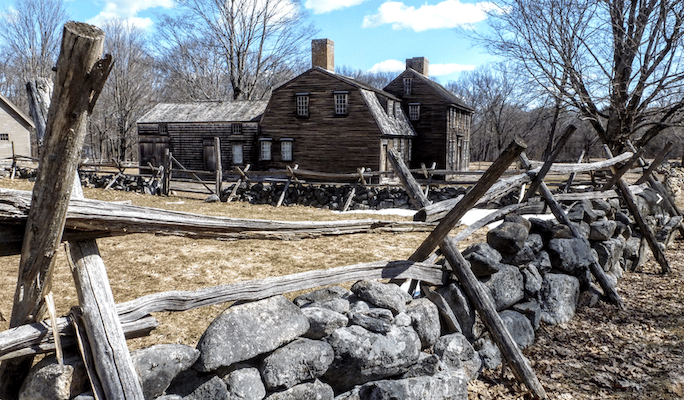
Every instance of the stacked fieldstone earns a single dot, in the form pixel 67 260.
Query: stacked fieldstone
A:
pixel 377 342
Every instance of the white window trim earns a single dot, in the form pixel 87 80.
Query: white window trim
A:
pixel 414 111
pixel 285 143
pixel 241 160
pixel 302 104
pixel 408 86
pixel 341 103
pixel 265 149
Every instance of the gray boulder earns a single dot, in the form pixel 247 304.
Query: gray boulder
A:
pixel 427 365
pixel 533 245
pixel 322 321
pixel 443 386
pixel 456 352
pixel 532 310
pixel 425 321
pixel 573 256
pixel 187 381
pixel 362 356
pixel 609 252
pixel 519 327
pixel 158 365
pixel 465 314
pixel 484 260
pixel 375 320
pixel 324 294
pixel 389 296
pixel 248 330
pixel 49 380
pixel 543 263
pixel 316 390
pixel 508 238
pixel 213 389
pixel 488 351
pixel 506 287
pixel 338 305
pixel 296 362
pixel 245 384
pixel 532 279
pixel 559 296
pixel 602 230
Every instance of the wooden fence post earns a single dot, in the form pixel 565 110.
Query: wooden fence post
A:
pixel 569 130
pixel 219 168
pixel 646 230
pixel 560 215
pixel 79 79
pixel 475 291
pixel 166 179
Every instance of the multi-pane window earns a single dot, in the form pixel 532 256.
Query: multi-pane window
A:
pixel 286 149
pixel 4 136
pixel 407 86
pixel 237 153
pixel 236 129
pixel 414 112
pixel 390 108
pixel 265 150
pixel 340 103
pixel 302 105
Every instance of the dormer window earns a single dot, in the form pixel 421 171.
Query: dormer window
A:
pixel 236 128
pixel 302 104
pixel 407 86
pixel 341 103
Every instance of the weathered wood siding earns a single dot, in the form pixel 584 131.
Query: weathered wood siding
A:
pixel 443 135
pixel 187 142
pixel 322 141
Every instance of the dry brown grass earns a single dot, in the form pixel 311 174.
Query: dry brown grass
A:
pixel 142 264
pixel 603 353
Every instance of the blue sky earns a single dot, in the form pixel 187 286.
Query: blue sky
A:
pixel 375 35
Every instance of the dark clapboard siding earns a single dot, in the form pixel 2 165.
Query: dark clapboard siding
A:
pixel 322 141
pixel 431 144
pixel 187 141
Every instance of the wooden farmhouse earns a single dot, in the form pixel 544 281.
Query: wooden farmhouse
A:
pixel 320 121
pixel 327 122
pixel 188 131
pixel 15 128
pixel 441 120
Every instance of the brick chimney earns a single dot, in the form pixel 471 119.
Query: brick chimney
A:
pixel 418 64
pixel 323 54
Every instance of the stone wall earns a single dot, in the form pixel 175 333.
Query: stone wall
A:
pixel 377 342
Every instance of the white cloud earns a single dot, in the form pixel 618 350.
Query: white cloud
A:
pixel 324 6
pixel 434 69
pixel 447 69
pixel 388 66
pixel 128 10
pixel 447 14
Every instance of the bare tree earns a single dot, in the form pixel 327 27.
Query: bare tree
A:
pixel 616 62
pixel 129 92
pixel 190 69
pixel 258 40
pixel 375 79
pixel 500 109
pixel 30 41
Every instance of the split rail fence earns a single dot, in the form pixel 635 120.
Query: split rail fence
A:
pixel 40 221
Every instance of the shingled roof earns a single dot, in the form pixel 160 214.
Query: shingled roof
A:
pixel 208 111
pixel 439 89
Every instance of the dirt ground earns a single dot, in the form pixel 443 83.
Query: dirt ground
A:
pixel 603 353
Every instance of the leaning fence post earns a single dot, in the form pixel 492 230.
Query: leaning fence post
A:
pixel 476 292
pixel 646 230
